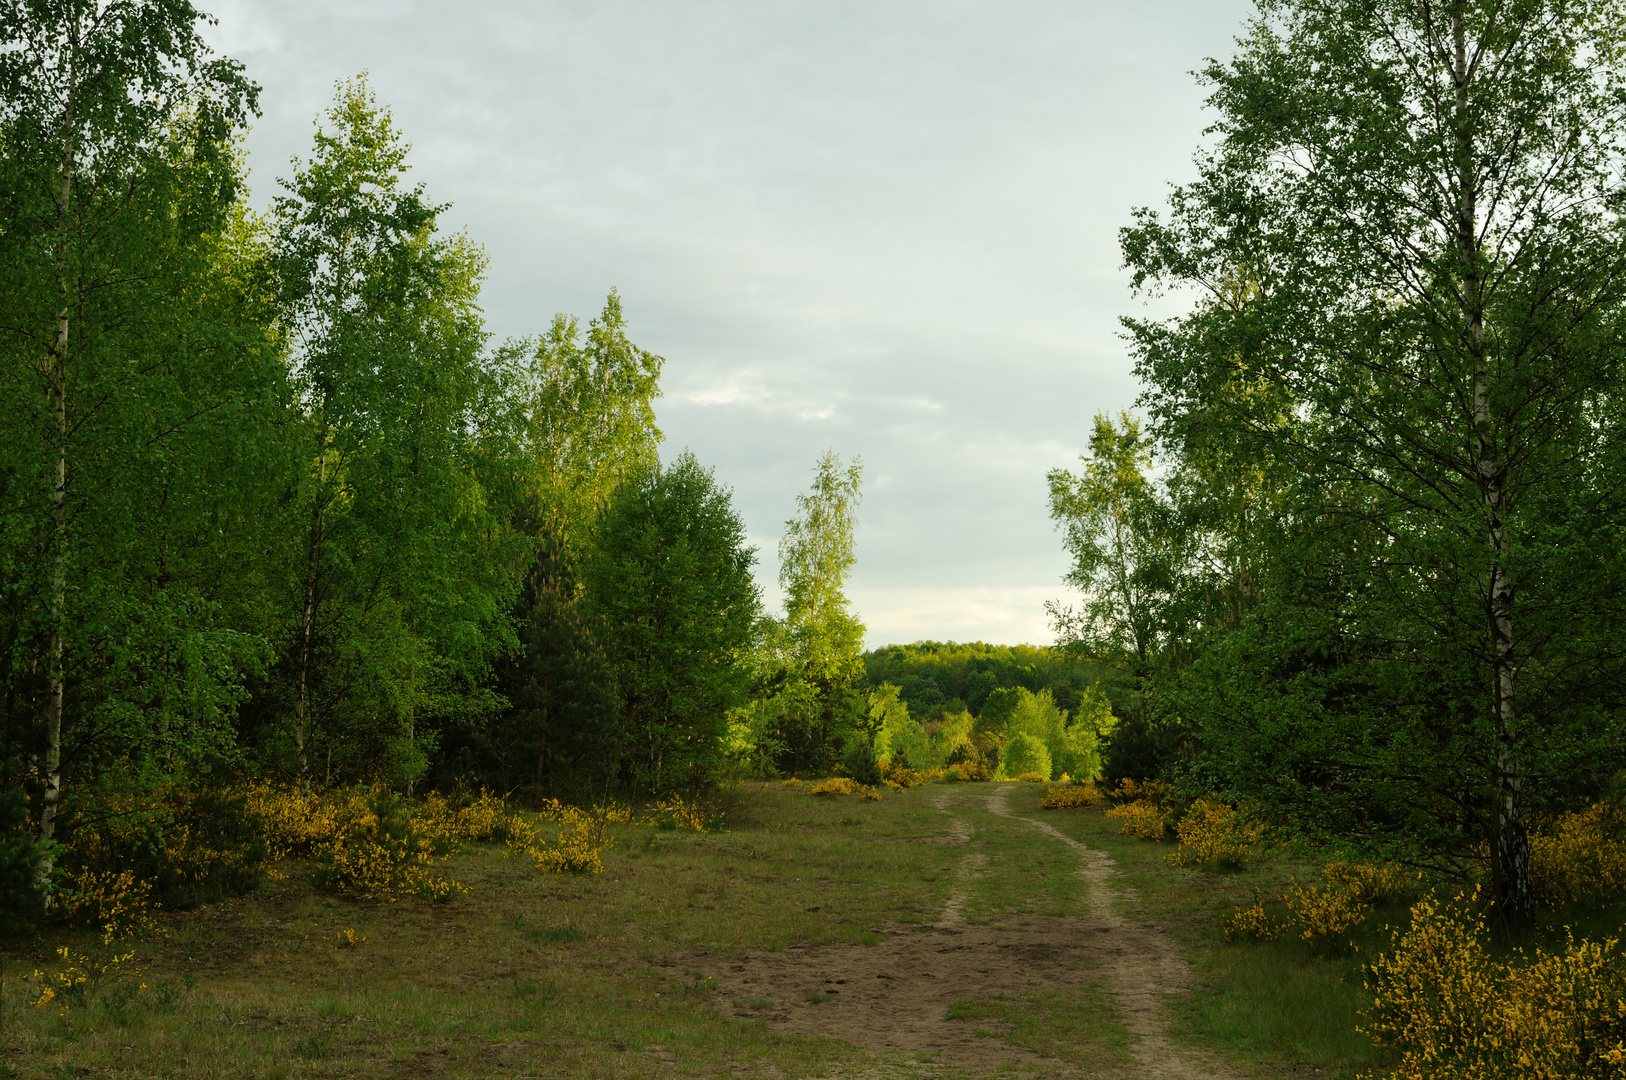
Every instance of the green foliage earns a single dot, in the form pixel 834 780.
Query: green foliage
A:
pixel 1126 551
pixel 22 904
pixel 189 840
pixel 1392 422
pixel 824 639
pixel 1024 754
pixel 562 732
pixel 906 742
pixel 935 676
pixel 808 698
pixel 392 596
pixel 859 761
pixel 581 414
pixel 138 374
pixel 1074 748
pixel 669 579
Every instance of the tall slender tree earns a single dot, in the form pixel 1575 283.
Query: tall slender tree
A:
pixel 824 638
pixel 1420 201
pixel 397 586
pixel 668 579
pixel 117 185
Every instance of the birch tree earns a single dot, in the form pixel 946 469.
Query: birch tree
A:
pixel 1117 530
pixel 825 639
pixel 1423 201
pixel 398 584
pixel 119 186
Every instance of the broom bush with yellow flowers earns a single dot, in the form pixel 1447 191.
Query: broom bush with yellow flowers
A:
pixel 1069 796
pixel 1323 915
pixel 120 907
pixel 1139 807
pixel 1450 1008
pixel 1215 833
pixel 378 850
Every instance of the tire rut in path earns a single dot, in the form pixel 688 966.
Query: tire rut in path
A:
pixel 895 995
pixel 1142 966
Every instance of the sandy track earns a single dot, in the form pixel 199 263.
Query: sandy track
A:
pixel 895 996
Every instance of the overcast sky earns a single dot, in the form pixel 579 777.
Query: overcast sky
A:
pixel 887 228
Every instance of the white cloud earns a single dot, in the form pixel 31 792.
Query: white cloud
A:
pixel 890 229
pixel 1007 615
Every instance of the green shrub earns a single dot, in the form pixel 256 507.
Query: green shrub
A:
pixel 22 904
pixel 193 843
pixel 1024 754
pixel 860 762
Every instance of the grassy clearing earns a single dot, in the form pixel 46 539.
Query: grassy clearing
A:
pixel 558 974
pixel 1271 1007
pixel 612 975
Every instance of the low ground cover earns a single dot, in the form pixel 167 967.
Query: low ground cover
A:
pixel 530 972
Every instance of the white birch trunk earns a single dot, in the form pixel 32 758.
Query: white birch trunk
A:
pixel 1510 855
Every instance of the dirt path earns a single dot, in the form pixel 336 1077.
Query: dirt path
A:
pixel 1142 965
pixel 895 996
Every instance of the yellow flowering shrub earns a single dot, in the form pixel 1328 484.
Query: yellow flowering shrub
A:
pixel 348 939
pixel 190 843
pixel 582 838
pixel 1453 1010
pixel 1251 923
pixel 1030 778
pixel 373 847
pixel 374 863
pixel 481 818
pixel 297 822
pixel 1583 857
pixel 899 778
pixel 967 771
pixel 1213 832
pixel 1152 791
pixel 81 975
pixel 1140 819
pixel 836 785
pixel 1370 883
pixel 116 902
pixel 675 812
pixel 1068 796
pixel 1322 915
pixel 1139 806
pixel 119 904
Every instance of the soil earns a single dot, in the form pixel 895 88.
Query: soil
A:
pixel 896 995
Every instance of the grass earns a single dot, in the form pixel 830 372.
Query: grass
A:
pixel 1076 1026
pixel 563 975
pixel 614 974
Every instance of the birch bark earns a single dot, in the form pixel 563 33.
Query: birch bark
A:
pixel 1510 850
pixel 57 380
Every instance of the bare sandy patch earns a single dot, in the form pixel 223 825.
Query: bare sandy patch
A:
pixel 895 996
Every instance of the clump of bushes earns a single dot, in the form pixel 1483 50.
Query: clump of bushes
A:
pixel 581 838
pixel 1139 807
pixel 189 843
pixel 379 850
pixel 1018 733
pixel 1024 755
pixel 1214 833
pixel 1451 1009
pixel 22 904
pixel 843 785
pixel 1322 914
pixel 1581 858
pixel 1068 796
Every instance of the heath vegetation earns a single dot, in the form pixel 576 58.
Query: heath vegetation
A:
pixel 377 697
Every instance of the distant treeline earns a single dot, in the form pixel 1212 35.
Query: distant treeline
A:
pixel 936 677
